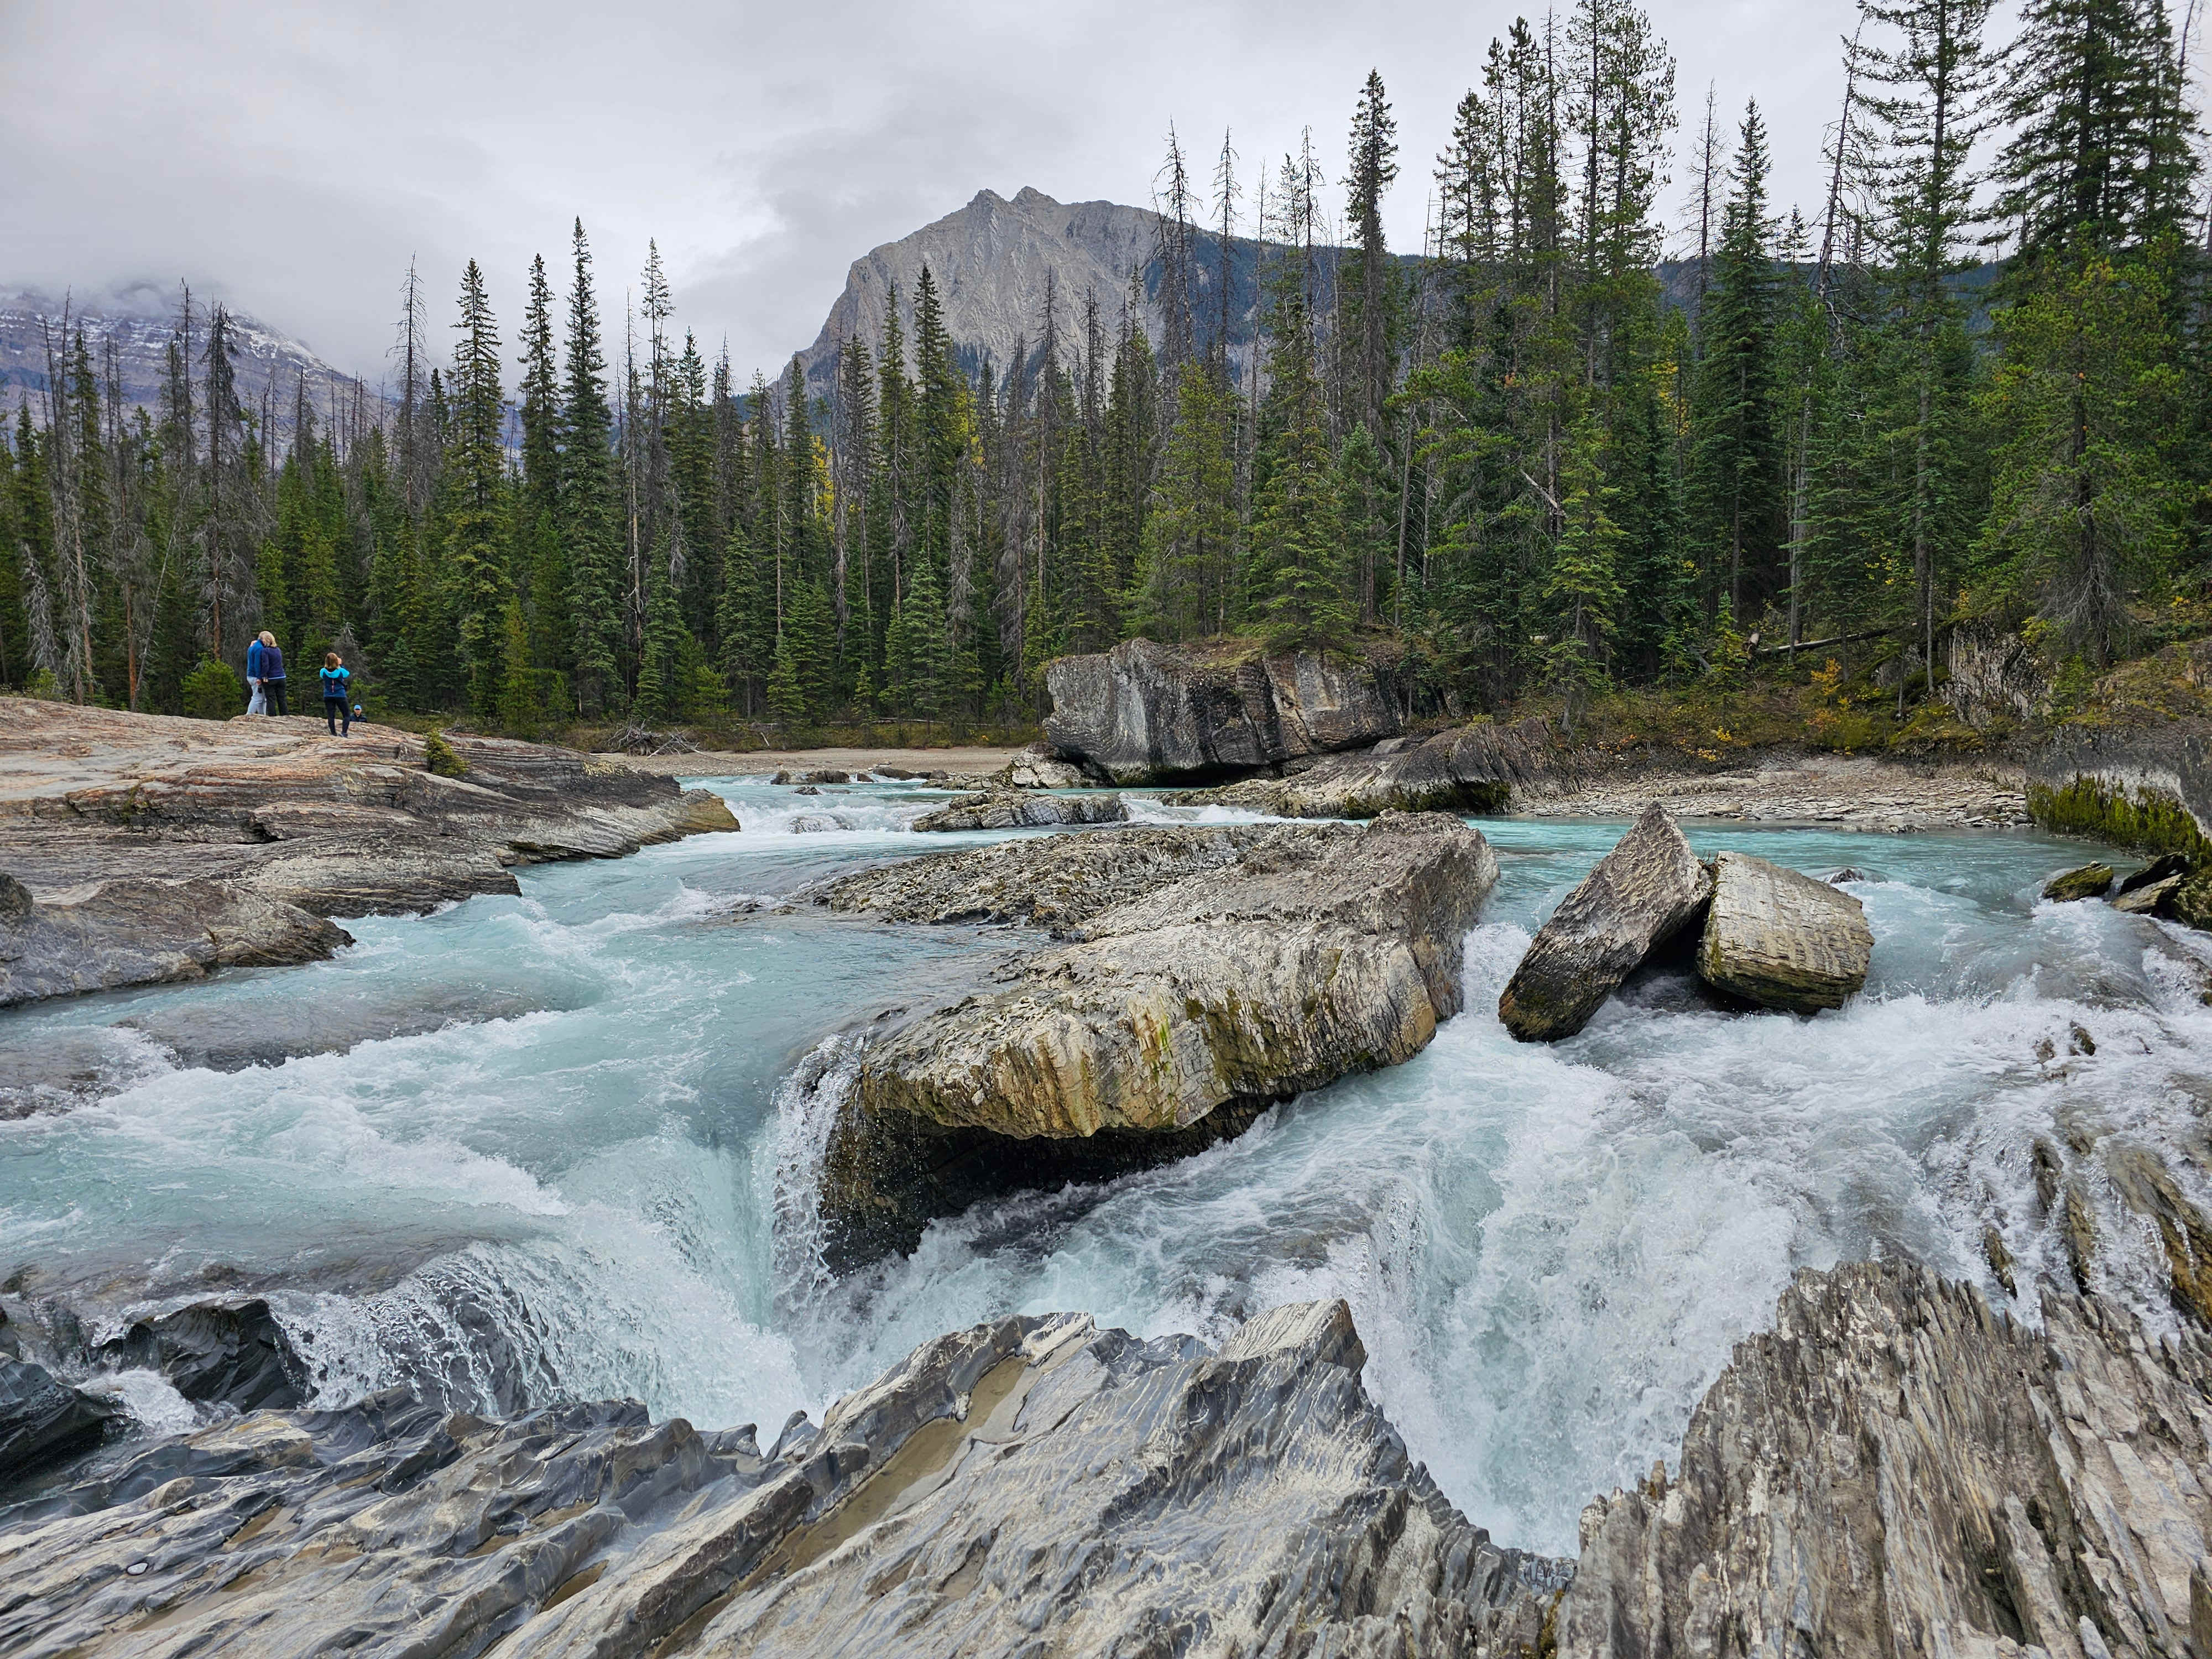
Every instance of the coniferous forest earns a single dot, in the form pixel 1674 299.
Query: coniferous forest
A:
pixel 1974 383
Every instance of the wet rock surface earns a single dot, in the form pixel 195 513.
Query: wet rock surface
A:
pixel 1891 1468
pixel 1782 939
pixel 43 1420
pixel 1202 970
pixel 1034 1471
pixel 1144 713
pixel 135 931
pixel 142 848
pixel 1894 1469
pixel 1640 896
pixel 1012 808
pixel 228 1350
pixel 2088 882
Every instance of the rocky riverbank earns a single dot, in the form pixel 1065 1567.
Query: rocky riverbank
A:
pixel 1203 975
pixel 140 849
pixel 1892 1468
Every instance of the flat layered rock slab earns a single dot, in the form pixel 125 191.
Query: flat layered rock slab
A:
pixel 155 849
pixel 1017 808
pixel 1643 893
pixel 1783 940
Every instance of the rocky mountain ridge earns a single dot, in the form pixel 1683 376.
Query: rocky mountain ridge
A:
pixel 140 321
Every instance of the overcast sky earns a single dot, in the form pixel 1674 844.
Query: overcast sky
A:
pixel 293 158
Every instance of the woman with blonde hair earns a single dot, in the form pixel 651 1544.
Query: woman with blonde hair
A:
pixel 264 673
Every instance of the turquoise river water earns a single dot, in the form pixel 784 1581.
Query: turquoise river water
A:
pixel 538 1147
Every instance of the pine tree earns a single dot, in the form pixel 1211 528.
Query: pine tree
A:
pixel 1298 575
pixel 591 527
pixel 1736 461
pixel 476 470
pixel 519 709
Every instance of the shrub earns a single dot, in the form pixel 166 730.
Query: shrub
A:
pixel 213 691
pixel 442 758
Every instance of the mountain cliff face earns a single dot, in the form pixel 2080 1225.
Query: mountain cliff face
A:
pixel 991 260
pixel 140 321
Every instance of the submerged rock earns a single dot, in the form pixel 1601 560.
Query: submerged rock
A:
pixel 1640 896
pixel 1783 940
pixel 1028 1471
pixel 1144 713
pixel 2090 881
pixel 1287 957
pixel 1017 809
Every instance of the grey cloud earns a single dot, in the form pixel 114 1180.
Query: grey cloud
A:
pixel 295 157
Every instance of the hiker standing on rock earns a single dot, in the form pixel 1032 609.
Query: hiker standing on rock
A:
pixel 259 703
pixel 338 707
pixel 272 673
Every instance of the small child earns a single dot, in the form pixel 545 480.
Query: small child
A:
pixel 337 703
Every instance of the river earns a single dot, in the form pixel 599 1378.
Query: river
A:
pixel 541 1155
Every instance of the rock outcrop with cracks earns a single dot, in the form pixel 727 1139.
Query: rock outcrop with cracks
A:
pixel 1782 939
pixel 1205 974
pixel 144 848
pixel 1894 1469
pixel 1133 1496
pixel 1640 896
pixel 1144 713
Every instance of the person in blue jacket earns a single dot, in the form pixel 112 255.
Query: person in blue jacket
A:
pixel 272 672
pixel 338 702
pixel 257 703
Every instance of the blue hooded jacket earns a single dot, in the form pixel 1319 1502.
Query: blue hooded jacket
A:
pixel 254 653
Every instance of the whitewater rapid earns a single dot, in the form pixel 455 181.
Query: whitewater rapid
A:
pixel 559 1146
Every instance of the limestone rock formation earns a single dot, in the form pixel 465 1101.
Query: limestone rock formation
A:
pixel 1014 808
pixel 1172 1016
pixel 1782 939
pixel 1640 896
pixel 1894 1469
pixel 228 1350
pixel 1132 1494
pixel 1034 771
pixel 138 930
pixel 1144 713
pixel 1472 769
pixel 107 818
pixel 1891 1468
pixel 2088 881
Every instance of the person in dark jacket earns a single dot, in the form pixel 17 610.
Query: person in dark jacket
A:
pixel 272 672
pixel 337 703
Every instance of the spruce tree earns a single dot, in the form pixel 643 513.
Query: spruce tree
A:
pixel 1736 459
pixel 476 472
pixel 1297 553
pixel 590 522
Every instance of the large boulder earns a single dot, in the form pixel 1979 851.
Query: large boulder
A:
pixel 1012 808
pixel 1144 713
pixel 1641 894
pixel 1783 940
pixel 1235 970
